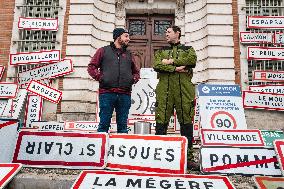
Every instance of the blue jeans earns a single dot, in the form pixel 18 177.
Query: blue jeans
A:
pixel 110 101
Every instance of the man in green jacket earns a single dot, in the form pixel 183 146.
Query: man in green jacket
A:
pixel 175 90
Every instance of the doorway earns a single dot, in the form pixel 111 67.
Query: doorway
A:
pixel 147 34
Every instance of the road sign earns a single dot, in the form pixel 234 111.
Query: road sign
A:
pixel 260 100
pixel 122 180
pixel 279 89
pixel 47 126
pixel 46 92
pixel 67 150
pixel 33 109
pixel 279 148
pixel 38 23
pixel 8 138
pixel 270 135
pixel 239 160
pixel 8 90
pixel 221 107
pixel 268 76
pixel 46 71
pixel 7 172
pixel 269 22
pixel 263 182
pixel 251 37
pixel 162 154
pixel 25 58
pixel 265 53
pixel 212 137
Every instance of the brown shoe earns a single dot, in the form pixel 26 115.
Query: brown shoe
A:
pixel 192 166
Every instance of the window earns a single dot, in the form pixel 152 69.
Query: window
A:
pixel 137 27
pixel 264 8
pixel 30 40
pixel 161 26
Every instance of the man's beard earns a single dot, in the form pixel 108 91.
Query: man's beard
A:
pixel 123 44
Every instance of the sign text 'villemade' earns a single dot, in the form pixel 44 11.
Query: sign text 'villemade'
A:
pixel 121 180
pixel 269 22
pixel 221 107
pixel 24 58
pixel 68 150
pixel 163 154
pixel 38 23
pixel 239 160
pixel 265 53
pixel 212 137
pixel 260 100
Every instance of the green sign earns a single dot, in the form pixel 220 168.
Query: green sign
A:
pixel 269 136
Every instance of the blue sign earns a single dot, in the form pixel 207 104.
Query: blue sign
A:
pixel 219 90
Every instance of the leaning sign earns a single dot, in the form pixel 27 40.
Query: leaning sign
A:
pixel 7 172
pixel 33 109
pixel 269 22
pixel 221 107
pixel 162 154
pixel 2 68
pixel 121 180
pixel 38 23
pixel 268 76
pixel 265 53
pixel 239 160
pixel 67 150
pixel 45 91
pixel 260 100
pixel 48 71
pixel 25 58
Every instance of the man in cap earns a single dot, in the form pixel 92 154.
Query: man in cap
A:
pixel 115 69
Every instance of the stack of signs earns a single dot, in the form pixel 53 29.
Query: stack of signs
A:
pixel 8 138
pixel 7 172
pixel 269 97
pixel 221 107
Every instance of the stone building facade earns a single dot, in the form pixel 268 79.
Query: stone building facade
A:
pixel 211 27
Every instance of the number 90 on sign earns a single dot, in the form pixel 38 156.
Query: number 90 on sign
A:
pixel 223 120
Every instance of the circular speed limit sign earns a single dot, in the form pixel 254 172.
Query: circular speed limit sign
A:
pixel 223 120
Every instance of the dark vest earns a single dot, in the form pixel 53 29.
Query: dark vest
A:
pixel 116 69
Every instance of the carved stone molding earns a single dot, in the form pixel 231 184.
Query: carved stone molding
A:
pixel 120 9
pixel 180 9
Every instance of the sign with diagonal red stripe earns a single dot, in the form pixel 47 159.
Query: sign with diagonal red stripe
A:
pixel 239 160
pixel 122 180
pixel 7 172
